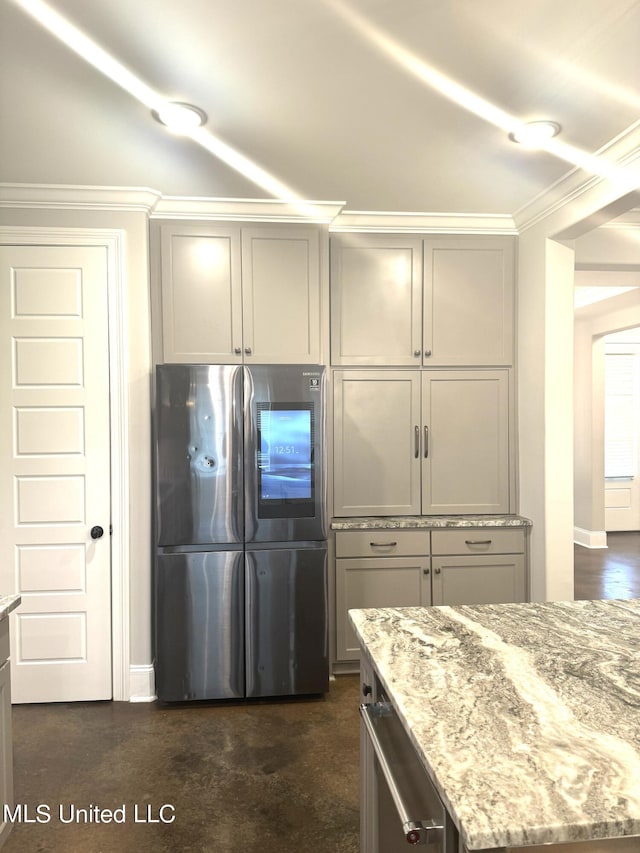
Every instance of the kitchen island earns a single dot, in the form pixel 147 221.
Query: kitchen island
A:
pixel 8 603
pixel 525 719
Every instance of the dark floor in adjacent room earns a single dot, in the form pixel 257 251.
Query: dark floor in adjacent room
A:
pixel 273 776
pixel 612 572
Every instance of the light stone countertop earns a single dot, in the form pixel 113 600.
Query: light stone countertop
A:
pixel 526 717
pixel 428 522
pixel 7 604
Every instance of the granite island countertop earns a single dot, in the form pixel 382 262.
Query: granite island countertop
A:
pixel 7 604
pixel 526 717
pixel 428 522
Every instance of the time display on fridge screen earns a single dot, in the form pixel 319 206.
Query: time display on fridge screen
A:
pixel 285 441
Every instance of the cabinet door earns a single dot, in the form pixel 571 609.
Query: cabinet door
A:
pixel 376 301
pixel 468 301
pixel 201 293
pixel 281 295
pixel 376 443
pixel 466 442
pixel 376 582
pixel 478 580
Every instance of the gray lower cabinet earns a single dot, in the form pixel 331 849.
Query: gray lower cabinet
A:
pixel 6 748
pixel 378 569
pixel 478 580
pixel 478 566
pixel 422 567
pixel 422 442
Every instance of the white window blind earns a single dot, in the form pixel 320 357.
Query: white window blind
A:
pixel 621 414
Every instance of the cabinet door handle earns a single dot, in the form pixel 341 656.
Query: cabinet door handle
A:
pixel 417 440
pixel 477 541
pixel 426 442
pixel 383 544
pixel 417 353
pixel 437 571
pixel 237 351
pixel 425 571
pixel 427 353
pixel 247 350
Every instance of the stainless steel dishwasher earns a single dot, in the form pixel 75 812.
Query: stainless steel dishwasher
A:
pixel 400 805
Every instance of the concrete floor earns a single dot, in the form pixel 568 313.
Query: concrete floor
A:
pixel 274 776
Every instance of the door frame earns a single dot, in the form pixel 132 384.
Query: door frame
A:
pixel 113 241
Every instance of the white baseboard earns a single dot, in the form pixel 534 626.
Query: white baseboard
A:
pixel 590 538
pixel 142 684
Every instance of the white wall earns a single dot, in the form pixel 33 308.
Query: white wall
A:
pixel 545 381
pixel 545 378
pixel 611 255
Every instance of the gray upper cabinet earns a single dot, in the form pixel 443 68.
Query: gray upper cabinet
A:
pixel 234 294
pixel 376 301
pixel 281 295
pixel 200 273
pixel 468 301
pixel 404 301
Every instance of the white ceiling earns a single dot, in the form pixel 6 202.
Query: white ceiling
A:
pixel 301 90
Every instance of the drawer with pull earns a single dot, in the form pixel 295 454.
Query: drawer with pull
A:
pixel 382 543
pixel 478 540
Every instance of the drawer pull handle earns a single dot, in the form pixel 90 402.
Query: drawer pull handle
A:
pixel 383 544
pixel 416 432
pixel 477 541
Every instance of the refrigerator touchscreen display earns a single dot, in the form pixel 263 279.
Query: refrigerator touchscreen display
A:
pixel 285 459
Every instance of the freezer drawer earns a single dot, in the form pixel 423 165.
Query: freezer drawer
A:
pixel 200 626
pixel 286 622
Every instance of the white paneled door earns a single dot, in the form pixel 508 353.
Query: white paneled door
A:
pixel 55 483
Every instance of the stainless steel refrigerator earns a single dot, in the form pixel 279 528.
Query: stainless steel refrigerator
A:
pixel 241 557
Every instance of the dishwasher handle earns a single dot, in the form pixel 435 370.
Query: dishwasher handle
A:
pixel 415 831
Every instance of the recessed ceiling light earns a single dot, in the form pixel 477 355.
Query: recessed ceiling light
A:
pixel 180 118
pixel 534 134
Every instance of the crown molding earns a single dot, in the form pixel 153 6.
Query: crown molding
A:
pixel 422 223
pixel 157 206
pixel 623 152
pixel 246 210
pixel 67 197
pixel 629 220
